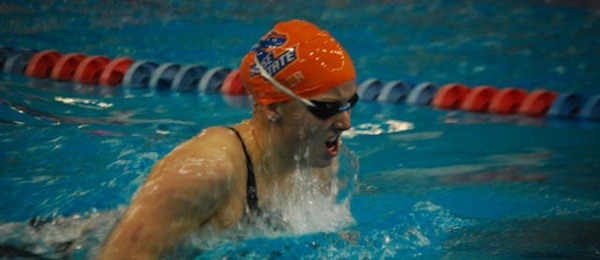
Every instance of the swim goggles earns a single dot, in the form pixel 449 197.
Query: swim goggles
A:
pixel 321 110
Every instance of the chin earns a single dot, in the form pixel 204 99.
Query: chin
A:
pixel 321 164
pixel 323 161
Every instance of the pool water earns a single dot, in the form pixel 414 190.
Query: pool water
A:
pixel 432 183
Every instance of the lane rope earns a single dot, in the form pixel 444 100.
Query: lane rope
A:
pixel 129 73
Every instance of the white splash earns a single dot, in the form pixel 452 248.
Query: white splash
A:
pixel 308 209
pixel 388 127
pixel 318 200
pixel 87 103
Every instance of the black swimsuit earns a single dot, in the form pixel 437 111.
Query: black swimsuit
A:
pixel 251 191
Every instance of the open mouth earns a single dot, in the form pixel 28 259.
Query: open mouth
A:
pixel 332 144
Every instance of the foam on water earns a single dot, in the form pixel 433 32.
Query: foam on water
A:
pixel 416 233
pixel 77 236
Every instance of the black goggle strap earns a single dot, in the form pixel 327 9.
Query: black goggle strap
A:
pixel 280 87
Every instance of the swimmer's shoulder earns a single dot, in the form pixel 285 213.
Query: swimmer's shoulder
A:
pixel 208 141
pixel 220 139
pixel 215 147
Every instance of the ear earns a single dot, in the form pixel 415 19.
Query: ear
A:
pixel 272 112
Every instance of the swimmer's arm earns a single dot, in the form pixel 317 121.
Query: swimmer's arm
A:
pixel 168 207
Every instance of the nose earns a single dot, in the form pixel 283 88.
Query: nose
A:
pixel 342 121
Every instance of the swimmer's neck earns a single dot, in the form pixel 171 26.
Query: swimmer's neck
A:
pixel 273 156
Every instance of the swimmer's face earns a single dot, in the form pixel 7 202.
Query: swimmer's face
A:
pixel 318 140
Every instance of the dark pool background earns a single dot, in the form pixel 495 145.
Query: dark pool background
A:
pixel 433 183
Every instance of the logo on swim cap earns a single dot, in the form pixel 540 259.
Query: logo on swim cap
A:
pixel 267 58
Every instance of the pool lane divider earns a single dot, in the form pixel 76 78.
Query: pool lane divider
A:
pixel 120 71
pixel 126 72
pixel 484 99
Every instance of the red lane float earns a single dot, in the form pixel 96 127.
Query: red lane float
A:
pixel 88 72
pixel 450 96
pixel 538 103
pixel 114 71
pixel 479 98
pixel 507 101
pixel 232 84
pixel 65 67
pixel 42 63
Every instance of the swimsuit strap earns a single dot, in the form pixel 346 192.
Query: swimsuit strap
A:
pixel 251 191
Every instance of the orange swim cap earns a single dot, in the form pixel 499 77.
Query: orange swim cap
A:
pixel 299 55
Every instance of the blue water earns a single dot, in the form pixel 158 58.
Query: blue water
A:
pixel 433 183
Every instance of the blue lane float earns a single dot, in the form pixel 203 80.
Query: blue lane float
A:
pixel 162 78
pixel 566 106
pixel 395 92
pixel 422 94
pixel 188 78
pixel 4 54
pixel 212 80
pixel 139 73
pixel 369 89
pixel 17 61
pixel 591 109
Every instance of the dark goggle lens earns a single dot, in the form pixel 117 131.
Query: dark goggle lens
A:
pixel 324 110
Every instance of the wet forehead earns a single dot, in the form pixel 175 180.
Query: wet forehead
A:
pixel 340 93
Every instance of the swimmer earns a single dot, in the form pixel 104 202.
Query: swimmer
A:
pixel 303 85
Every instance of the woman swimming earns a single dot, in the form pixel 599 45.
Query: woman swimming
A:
pixel 302 82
